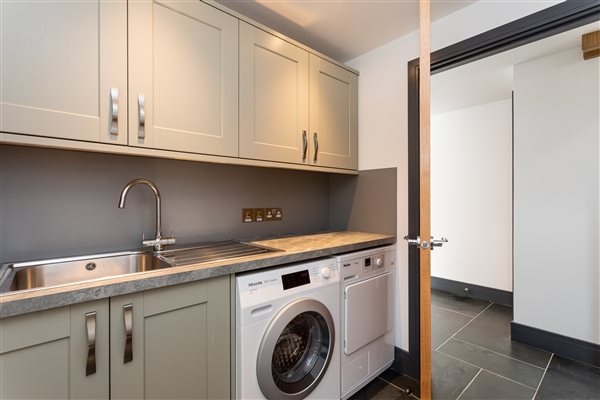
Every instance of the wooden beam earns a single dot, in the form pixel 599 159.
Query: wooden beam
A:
pixel 425 223
pixel 588 55
pixel 590 45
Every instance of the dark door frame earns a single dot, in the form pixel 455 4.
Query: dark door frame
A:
pixel 548 22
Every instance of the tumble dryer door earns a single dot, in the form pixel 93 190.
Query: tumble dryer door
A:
pixel 368 311
pixel 296 350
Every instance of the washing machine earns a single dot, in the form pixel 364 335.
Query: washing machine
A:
pixel 367 316
pixel 287 332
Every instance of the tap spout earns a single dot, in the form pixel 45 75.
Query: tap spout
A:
pixel 159 241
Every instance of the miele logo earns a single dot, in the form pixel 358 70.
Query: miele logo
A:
pixel 253 284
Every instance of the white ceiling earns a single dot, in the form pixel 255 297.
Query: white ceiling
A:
pixel 341 29
pixel 491 79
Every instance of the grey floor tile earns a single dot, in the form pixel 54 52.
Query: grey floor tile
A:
pixel 402 381
pixel 462 305
pixel 567 379
pixel 449 376
pixel 444 324
pixel 491 330
pixel 488 386
pixel 379 390
pixel 510 368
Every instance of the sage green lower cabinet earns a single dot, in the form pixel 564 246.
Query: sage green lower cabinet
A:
pixel 180 342
pixel 44 355
pixel 168 343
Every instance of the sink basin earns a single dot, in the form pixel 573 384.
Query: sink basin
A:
pixel 57 272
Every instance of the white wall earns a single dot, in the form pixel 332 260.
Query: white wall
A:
pixel 557 183
pixel 382 99
pixel 471 194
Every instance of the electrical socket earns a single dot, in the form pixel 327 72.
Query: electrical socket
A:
pixel 261 214
pixel 274 214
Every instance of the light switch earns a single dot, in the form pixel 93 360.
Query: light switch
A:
pixel 259 214
pixel 248 215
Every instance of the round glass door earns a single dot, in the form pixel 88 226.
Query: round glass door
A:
pixel 296 350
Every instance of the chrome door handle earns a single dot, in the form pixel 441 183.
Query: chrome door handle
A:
pixel 413 242
pixel 417 242
pixel 114 111
pixel 316 140
pixel 438 243
pixel 142 117
pixel 90 325
pixel 128 318
pixel 304 145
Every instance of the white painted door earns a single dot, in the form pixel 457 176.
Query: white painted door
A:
pixel 333 115
pixel 59 63
pixel 183 77
pixel 273 98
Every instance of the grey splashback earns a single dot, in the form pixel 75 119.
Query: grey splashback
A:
pixel 56 202
pixel 366 203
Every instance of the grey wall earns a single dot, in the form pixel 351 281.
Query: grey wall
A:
pixel 56 203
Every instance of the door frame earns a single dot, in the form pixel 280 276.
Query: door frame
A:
pixel 542 24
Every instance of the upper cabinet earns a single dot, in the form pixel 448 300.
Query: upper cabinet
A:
pixel 294 106
pixel 183 77
pixel 333 115
pixel 170 78
pixel 273 97
pixel 64 69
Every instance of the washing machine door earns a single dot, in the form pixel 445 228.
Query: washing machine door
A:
pixel 296 350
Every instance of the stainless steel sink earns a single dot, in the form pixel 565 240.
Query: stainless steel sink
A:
pixel 63 271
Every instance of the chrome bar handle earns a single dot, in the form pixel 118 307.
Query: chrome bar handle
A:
pixel 114 111
pixel 438 243
pixel 128 318
pixel 304 145
pixel 90 325
pixel 316 139
pixel 142 117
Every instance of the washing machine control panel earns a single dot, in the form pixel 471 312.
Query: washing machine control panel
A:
pixel 262 285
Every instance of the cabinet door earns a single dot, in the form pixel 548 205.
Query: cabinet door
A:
pixel 333 115
pixel 127 346
pixel 183 77
pixel 45 355
pixel 64 69
pixel 181 343
pixel 273 97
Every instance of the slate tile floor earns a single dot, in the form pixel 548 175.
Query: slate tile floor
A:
pixel 474 358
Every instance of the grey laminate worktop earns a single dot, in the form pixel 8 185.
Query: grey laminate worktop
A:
pixel 296 248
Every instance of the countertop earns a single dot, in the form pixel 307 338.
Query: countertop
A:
pixel 296 248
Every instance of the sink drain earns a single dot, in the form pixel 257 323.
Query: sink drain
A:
pixel 90 266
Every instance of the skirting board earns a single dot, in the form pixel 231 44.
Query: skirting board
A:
pixel 475 291
pixel 565 346
pixel 403 363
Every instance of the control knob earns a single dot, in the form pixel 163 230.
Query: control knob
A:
pixel 325 272
pixel 378 261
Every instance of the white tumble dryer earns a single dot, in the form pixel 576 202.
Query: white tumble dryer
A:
pixel 367 300
pixel 287 333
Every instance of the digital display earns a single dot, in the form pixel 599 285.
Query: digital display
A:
pixel 367 262
pixel 295 279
